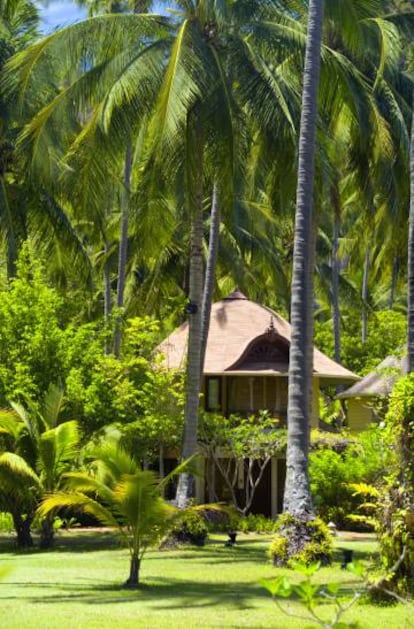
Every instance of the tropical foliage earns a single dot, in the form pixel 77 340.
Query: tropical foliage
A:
pixel 40 451
pixel 119 494
pixel 151 162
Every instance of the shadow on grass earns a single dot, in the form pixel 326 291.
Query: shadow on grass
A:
pixel 67 541
pixel 359 554
pixel 158 593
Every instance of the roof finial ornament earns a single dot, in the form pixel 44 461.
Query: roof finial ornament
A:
pixel 270 331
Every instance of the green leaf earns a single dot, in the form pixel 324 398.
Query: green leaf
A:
pixel 279 587
pixel 357 568
pixel 333 588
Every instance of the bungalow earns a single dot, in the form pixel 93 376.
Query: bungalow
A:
pixel 362 396
pixel 246 371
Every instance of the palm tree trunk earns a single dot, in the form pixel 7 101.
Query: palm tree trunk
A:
pixel 123 246
pixel 11 236
pixel 186 483
pixel 107 295
pixel 410 322
pixel 394 279
pixel 134 567
pixel 22 528
pixel 47 532
pixel 213 246
pixel 297 496
pixel 335 278
pixel 364 295
pixel 107 286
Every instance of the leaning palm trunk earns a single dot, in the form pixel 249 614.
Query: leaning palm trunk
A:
pixel 213 246
pixel 410 322
pixel 186 483
pixel 297 497
pixel 123 246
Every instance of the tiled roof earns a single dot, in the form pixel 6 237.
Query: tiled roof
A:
pixel 235 323
pixel 379 382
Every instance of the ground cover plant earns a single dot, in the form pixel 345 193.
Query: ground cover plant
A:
pixel 77 585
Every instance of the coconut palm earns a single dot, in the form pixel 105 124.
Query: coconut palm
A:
pixel 120 495
pixel 297 497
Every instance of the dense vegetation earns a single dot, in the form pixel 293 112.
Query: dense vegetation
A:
pixel 265 142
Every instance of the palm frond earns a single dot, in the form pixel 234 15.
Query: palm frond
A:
pixel 77 502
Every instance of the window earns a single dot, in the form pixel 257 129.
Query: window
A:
pixel 213 394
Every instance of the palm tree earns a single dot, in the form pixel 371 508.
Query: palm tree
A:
pixel 41 451
pixel 20 493
pixel 220 76
pixel 120 495
pixel 297 497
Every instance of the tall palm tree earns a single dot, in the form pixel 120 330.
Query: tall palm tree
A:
pixel 297 497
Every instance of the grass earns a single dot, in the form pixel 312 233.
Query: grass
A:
pixel 77 585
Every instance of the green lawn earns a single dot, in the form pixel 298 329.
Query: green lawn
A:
pixel 77 585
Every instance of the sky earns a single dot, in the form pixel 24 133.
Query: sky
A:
pixel 57 13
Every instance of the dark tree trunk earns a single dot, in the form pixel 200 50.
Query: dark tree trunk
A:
pixel 22 528
pixel 123 246
pixel 186 482
pixel 297 497
pixel 410 322
pixel 210 277
pixel 47 533
pixel 211 467
pixel 11 250
pixel 133 579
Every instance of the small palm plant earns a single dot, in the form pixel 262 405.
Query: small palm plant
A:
pixel 39 451
pixel 119 494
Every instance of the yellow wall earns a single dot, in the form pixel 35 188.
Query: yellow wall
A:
pixel 315 403
pixel 359 413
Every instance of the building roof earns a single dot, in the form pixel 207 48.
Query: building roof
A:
pixel 380 382
pixel 246 338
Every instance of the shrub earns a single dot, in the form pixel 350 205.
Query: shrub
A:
pixel 189 528
pixel 366 459
pixel 220 518
pixel 6 522
pixel 255 524
pixel 396 514
pixel 302 540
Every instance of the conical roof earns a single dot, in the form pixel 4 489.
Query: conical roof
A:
pixel 380 382
pixel 236 325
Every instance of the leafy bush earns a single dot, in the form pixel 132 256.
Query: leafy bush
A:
pixel 253 523
pixel 6 522
pixel 300 540
pixel 396 515
pixel 365 459
pixel 219 518
pixel 189 528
